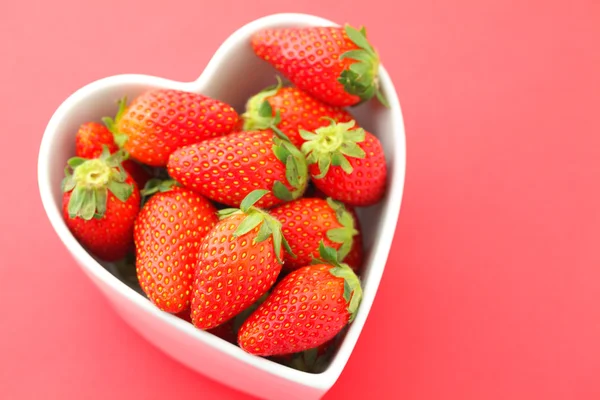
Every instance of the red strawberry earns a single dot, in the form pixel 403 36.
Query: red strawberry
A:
pixel 100 204
pixel 238 262
pixel 159 121
pixel 168 232
pixel 306 309
pixel 346 163
pixel 89 140
pixel 226 169
pixel 308 221
pixel 289 109
pixel 333 64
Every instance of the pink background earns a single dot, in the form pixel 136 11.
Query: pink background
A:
pixel 492 290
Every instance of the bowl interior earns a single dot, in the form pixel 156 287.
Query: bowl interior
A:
pixel 233 75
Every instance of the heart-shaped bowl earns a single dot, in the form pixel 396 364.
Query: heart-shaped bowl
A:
pixel 233 75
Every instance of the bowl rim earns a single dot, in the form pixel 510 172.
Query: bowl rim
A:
pixel 323 380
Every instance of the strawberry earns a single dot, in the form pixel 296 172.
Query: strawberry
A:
pixel 306 309
pixel 226 169
pixel 89 140
pixel 308 221
pixel 289 109
pixel 333 64
pixel 168 232
pixel 238 262
pixel 100 204
pixel 346 163
pixel 159 121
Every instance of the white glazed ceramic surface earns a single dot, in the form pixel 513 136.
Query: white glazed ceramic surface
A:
pixel 233 74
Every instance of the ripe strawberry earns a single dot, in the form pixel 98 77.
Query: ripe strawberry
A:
pixel 333 64
pixel 289 109
pixel 100 204
pixel 89 140
pixel 308 221
pixel 346 163
pixel 238 262
pixel 306 309
pixel 161 120
pixel 168 232
pixel 226 169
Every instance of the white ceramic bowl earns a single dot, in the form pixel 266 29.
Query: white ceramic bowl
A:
pixel 233 74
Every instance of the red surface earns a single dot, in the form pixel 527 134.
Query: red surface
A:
pixel 493 286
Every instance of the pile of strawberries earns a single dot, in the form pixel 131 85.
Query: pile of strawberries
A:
pixel 244 223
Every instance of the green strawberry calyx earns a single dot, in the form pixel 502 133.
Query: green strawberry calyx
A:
pixel 90 180
pixel 296 170
pixel 332 144
pixel 259 113
pixel 112 124
pixel 352 286
pixel 346 233
pixel 269 226
pixel 156 185
pixel 361 78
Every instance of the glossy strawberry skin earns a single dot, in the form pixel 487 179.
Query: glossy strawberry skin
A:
pixel 365 185
pixel 305 310
pixel 111 236
pixel 310 58
pixel 89 142
pixel 305 223
pixel 168 233
pixel 161 120
pixel 231 274
pixel 226 169
pixel 298 110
